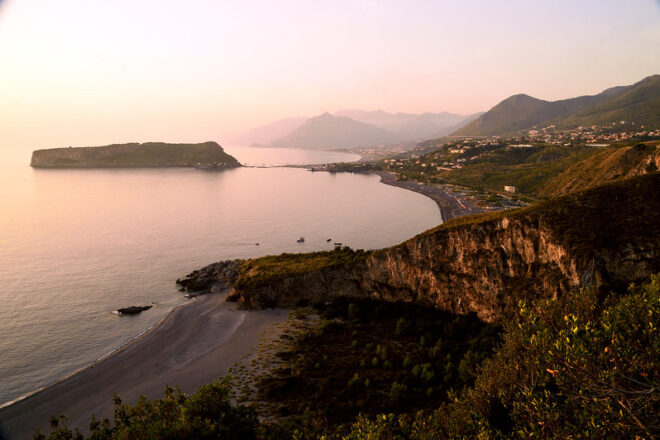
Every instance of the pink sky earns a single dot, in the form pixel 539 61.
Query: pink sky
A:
pixel 82 72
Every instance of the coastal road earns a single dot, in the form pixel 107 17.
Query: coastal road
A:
pixel 194 345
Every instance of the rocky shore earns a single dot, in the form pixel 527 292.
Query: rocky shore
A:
pixel 601 238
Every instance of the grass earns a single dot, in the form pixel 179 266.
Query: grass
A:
pixel 262 271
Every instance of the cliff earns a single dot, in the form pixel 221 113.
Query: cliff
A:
pixel 150 154
pixel 603 237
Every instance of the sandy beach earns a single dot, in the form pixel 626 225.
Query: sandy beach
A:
pixel 195 344
pixel 450 206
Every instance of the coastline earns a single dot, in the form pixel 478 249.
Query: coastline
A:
pixel 193 345
pixel 450 205
pixel 189 347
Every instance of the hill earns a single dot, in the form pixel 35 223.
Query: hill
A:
pixel 639 103
pixel 411 126
pixel 149 154
pixel 327 131
pixel 603 166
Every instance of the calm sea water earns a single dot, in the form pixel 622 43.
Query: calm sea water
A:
pixel 77 244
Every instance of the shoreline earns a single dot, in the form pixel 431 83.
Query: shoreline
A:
pixel 191 346
pixel 450 206
pixel 89 389
pixel 74 372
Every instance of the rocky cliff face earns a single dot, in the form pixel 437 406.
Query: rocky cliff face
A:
pixel 602 238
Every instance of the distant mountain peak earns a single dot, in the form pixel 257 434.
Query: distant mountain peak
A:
pixel 328 131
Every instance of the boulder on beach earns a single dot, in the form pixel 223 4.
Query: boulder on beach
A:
pixel 132 310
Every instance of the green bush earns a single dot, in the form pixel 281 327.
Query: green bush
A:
pixel 206 414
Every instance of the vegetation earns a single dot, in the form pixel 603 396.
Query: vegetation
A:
pixel 611 216
pixel 207 414
pixel 603 166
pixel 638 102
pixel 582 366
pixel 528 169
pixel 371 357
pixel 265 270
pixel 150 154
pixel 586 367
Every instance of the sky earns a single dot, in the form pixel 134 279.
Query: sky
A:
pixel 88 72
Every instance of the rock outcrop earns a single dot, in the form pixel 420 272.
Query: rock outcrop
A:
pixel 602 238
pixel 132 310
pixel 213 278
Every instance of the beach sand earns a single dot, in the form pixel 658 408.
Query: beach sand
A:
pixel 195 344
pixel 450 205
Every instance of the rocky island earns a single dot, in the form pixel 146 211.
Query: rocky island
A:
pixel 207 155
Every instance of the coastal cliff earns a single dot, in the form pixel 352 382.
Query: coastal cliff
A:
pixel 604 238
pixel 150 154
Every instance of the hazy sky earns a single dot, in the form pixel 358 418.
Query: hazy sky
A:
pixel 87 72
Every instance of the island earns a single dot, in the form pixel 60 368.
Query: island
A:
pixel 207 155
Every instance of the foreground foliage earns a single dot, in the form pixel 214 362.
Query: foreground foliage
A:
pixel 206 414
pixel 587 368
pixel 580 367
pixel 370 357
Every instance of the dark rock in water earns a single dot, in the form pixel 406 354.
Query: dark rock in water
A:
pixel 133 310
pixel 213 278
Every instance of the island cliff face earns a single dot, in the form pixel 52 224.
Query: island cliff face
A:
pixel 602 238
pixel 150 154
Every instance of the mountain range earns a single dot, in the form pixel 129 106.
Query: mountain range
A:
pixel 328 131
pixel 639 103
pixel 350 128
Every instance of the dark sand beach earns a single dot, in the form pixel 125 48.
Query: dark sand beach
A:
pixel 450 205
pixel 195 344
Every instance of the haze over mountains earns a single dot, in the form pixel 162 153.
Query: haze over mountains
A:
pixel 328 131
pixel 411 126
pixel 639 103
pixel 350 128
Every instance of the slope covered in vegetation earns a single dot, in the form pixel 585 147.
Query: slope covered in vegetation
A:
pixel 603 166
pixel 583 366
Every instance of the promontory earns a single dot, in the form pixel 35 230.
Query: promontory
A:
pixel 207 155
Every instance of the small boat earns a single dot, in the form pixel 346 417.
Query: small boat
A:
pixel 338 244
pixel 301 240
pixel 329 240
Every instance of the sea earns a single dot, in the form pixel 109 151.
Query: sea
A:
pixel 75 245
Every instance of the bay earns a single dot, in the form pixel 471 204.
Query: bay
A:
pixel 77 244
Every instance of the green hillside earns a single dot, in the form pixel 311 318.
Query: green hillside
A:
pixel 603 166
pixel 639 103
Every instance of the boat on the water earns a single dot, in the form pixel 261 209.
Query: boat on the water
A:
pixel 301 240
